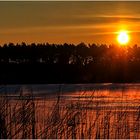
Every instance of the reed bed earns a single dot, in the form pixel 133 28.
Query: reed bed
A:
pixel 88 116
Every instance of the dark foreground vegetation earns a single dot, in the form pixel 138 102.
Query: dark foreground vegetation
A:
pixel 96 117
pixel 68 63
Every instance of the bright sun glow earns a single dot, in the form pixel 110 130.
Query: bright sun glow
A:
pixel 123 37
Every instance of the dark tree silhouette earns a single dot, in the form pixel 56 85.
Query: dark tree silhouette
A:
pixel 68 63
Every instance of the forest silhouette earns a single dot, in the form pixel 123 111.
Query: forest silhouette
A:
pixel 68 63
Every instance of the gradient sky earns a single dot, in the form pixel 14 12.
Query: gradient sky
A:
pixel 70 22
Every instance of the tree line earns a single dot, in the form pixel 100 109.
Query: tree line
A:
pixel 69 63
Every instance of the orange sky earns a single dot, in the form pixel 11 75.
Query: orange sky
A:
pixel 70 22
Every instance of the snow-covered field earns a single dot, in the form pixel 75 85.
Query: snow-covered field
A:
pixel 70 111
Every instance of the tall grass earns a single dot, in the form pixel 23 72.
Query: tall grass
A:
pixel 88 117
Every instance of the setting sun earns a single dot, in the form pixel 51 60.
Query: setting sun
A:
pixel 123 37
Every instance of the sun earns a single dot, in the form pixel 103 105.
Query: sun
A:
pixel 123 37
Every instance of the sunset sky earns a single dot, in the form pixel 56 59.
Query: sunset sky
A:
pixel 70 22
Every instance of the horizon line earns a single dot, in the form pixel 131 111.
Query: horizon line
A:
pixel 98 44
